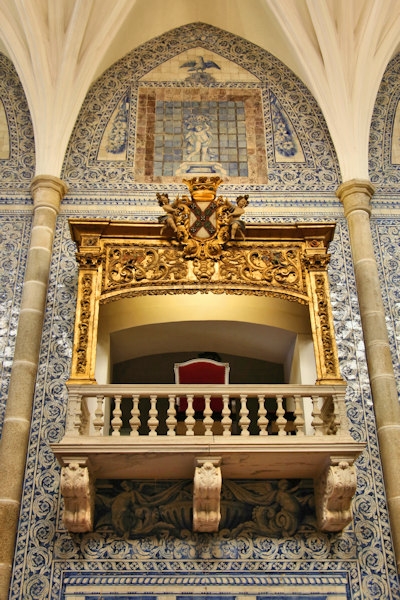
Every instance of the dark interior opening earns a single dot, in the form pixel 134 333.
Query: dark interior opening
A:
pixel 159 368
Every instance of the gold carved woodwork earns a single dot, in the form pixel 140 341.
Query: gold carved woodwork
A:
pixel 203 223
pixel 206 251
pixel 89 259
pixel 321 318
pixel 277 267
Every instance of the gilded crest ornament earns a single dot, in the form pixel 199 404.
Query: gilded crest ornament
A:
pixel 203 223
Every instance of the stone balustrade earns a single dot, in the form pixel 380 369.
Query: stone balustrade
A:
pixel 256 410
pixel 206 433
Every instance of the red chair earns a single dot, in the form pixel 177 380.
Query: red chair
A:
pixel 201 370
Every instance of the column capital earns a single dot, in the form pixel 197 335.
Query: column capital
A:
pixel 48 190
pixel 356 194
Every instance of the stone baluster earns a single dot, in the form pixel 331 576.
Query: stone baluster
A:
pixel 116 422
pixel 74 419
pixel 299 420
pixel 98 421
pixel 208 421
pixel 244 420
pixel 134 421
pixel 190 421
pixel 280 412
pixel 262 418
pixel 226 416
pixel 317 422
pixel 171 412
pixel 153 421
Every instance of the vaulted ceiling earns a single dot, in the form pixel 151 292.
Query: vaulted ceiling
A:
pixel 339 48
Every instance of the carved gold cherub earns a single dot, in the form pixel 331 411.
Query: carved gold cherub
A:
pixel 168 219
pixel 236 224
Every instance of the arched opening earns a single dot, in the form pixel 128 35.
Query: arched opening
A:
pixel 265 340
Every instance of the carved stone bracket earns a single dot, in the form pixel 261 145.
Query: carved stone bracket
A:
pixel 207 494
pixel 334 491
pixel 77 488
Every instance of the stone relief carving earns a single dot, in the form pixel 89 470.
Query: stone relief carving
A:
pixel 270 508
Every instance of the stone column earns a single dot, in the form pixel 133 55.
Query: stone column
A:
pixel 356 198
pixel 47 192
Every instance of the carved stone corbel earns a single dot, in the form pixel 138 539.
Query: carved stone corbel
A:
pixel 77 488
pixel 207 495
pixel 334 491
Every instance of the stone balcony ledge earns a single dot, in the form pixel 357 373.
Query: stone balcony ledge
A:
pixel 265 432
pixel 175 458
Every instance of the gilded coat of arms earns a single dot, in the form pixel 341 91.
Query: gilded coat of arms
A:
pixel 203 222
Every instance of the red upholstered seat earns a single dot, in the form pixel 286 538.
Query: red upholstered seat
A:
pixel 202 370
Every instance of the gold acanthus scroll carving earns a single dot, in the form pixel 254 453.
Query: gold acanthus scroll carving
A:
pixel 277 267
pixel 84 322
pixel 90 263
pixel 315 265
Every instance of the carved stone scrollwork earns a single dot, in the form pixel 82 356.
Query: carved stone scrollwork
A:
pixel 334 492
pixel 207 495
pixel 77 488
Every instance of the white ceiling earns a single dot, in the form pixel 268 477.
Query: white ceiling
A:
pixel 227 337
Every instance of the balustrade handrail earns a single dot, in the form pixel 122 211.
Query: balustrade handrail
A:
pixel 243 409
pixel 268 389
